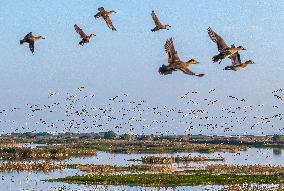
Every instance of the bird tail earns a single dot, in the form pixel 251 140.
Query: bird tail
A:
pixel 200 75
pixel 21 41
pixel 114 29
pixel 81 43
pixel 229 68
pixel 164 70
pixel 218 57
pixel 154 29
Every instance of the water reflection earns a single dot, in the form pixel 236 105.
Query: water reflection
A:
pixel 277 151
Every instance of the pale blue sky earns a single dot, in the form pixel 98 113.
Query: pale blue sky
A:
pixel 127 61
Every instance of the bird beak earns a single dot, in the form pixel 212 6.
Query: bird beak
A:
pixel 244 49
pixel 197 62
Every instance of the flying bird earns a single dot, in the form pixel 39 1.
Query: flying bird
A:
pixel 30 39
pixel 85 38
pixel 175 63
pixel 158 24
pixel 105 15
pixel 237 63
pixel 223 48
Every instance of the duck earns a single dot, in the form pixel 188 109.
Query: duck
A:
pixel 105 15
pixel 237 63
pixel 224 50
pixel 85 38
pixel 30 39
pixel 175 63
pixel 158 24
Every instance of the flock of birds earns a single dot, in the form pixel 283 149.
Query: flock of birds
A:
pixel 174 62
pixel 197 112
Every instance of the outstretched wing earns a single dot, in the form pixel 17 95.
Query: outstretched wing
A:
pixel 32 46
pixel 187 71
pixel 80 31
pixel 172 53
pixel 109 23
pixel 217 39
pixel 155 18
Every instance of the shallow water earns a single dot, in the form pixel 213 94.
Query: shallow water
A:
pixel 30 181
pixel 252 156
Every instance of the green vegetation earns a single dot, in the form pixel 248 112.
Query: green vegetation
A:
pixel 49 152
pixel 275 141
pixel 226 169
pixel 90 168
pixel 278 138
pixel 122 146
pixel 248 187
pixel 169 160
pixel 127 137
pixel 110 135
pixel 169 180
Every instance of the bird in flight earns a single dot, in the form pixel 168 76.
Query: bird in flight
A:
pixel 224 50
pixel 237 63
pixel 158 24
pixel 175 63
pixel 105 15
pixel 30 39
pixel 85 38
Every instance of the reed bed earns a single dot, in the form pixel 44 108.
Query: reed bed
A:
pixel 49 152
pixel 25 166
pixel 90 168
pixel 178 159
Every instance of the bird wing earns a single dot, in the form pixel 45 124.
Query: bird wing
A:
pixel 187 71
pixel 172 53
pixel 155 18
pixel 98 15
pixel 28 37
pixel 108 22
pixel 32 46
pixel 80 31
pixel 218 40
pixel 236 59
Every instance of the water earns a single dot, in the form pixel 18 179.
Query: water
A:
pixel 31 181
pixel 252 156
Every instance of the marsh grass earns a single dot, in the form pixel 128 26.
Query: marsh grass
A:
pixel 49 152
pixel 249 169
pixel 25 166
pixel 169 180
pixel 118 169
pixel 178 159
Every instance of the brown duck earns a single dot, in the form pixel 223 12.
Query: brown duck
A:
pixel 237 63
pixel 30 39
pixel 85 38
pixel 175 63
pixel 223 48
pixel 105 15
pixel 158 24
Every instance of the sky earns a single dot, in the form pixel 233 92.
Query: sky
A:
pixel 127 61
